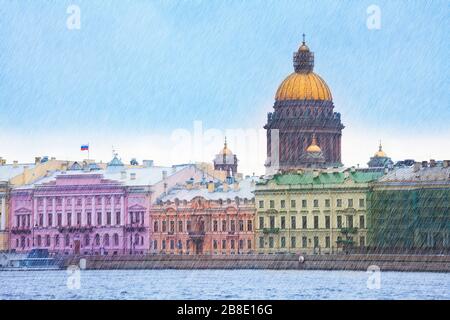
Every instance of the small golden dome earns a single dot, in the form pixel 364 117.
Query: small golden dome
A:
pixel 380 153
pixel 313 147
pixel 225 150
pixel 303 86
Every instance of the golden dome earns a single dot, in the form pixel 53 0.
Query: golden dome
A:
pixel 380 153
pixel 313 147
pixel 303 86
pixel 225 150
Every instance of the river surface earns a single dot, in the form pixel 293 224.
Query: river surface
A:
pixel 222 284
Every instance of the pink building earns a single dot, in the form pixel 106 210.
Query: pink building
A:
pixel 204 218
pixel 87 210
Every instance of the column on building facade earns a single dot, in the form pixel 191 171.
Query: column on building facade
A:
pixel 64 215
pixel 83 211
pixel 122 210
pixel 73 215
pixel 93 213
pixel 34 212
pixel 103 211
pixel 113 214
pixel 3 214
pixel 44 212
pixel 54 218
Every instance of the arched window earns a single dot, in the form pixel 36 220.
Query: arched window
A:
pixel 106 240
pixel 136 238
pixel 67 240
pixel 39 240
pixel 87 240
pixel 155 226
pixel 57 240
pixel 97 239
pixel 22 241
pixel 17 243
pixel 47 240
pixel 116 239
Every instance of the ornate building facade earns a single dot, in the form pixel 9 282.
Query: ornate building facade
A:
pixel 303 107
pixel 204 218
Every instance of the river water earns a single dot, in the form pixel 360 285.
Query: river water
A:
pixel 221 284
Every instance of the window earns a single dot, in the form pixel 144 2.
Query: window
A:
pixel 327 203
pixel 116 239
pixel 293 242
pixel 97 239
pixel 117 217
pixel 215 244
pixel 57 240
pixel 241 244
pixel 172 244
pixel 59 219
pixel 261 222
pixel 327 242
pixel 316 222
pixel 163 245
pixel 172 226
pixel 316 242
pixel 99 218
pixel 249 225
pixel 361 203
pixel 188 226
pixel 47 240
pixel 50 220
pixel 232 244
pixel 316 203
pixel 272 204
pixel 67 240
pixel 283 222
pixel 283 242
pixel 241 225
pixel 249 244
pixel 87 240
pixel 327 222
pixel 304 222
pixel 155 226
pixel 350 221
pixel 179 245
pixel 69 219
pixel 108 218
pixel 283 204
pixel 106 240
pixel 362 241
pixel 215 226
pixel 292 203
pixel 350 203
pixel 224 244
pixel 339 221
pixel 224 225
pixel 304 242
pixel 261 242
pixel 270 242
pixel 362 222
pixel 261 204
pixel 339 203
pixel 89 218
pixel 164 226
pixel 180 226
pixel 155 244
pixel 272 222
pixel 304 203
pixel 293 223
pixel 41 220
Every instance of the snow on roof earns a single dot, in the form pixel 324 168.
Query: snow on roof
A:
pixel 9 171
pixel 245 191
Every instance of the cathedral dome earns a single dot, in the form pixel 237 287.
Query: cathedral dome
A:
pixel 313 147
pixel 303 84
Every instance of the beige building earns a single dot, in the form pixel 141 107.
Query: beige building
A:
pixel 315 211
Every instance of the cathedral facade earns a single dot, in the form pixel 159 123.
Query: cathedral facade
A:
pixel 303 116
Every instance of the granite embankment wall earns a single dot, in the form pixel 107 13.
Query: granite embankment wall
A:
pixel 391 262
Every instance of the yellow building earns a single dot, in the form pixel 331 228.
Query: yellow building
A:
pixel 315 211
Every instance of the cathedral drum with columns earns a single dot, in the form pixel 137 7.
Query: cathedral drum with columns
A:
pixel 303 117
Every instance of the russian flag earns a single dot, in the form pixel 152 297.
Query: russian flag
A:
pixel 84 147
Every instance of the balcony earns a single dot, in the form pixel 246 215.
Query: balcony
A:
pixel 73 229
pixel 21 230
pixel 196 234
pixel 134 228
pixel 271 230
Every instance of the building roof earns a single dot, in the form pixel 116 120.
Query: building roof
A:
pixel 423 174
pixel 245 191
pixel 325 177
pixel 8 171
pixel 141 176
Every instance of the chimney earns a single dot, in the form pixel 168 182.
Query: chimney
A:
pixel 416 166
pixel 424 164
pixel 164 175
pixel 52 158
pixel 211 186
pixel 123 175
pixel 37 160
pixel 432 163
pixel 133 176
pixel 15 164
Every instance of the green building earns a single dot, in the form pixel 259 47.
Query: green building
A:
pixel 409 208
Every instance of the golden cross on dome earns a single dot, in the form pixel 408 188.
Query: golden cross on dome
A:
pixel 303 38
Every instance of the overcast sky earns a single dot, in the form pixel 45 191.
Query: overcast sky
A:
pixel 137 72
